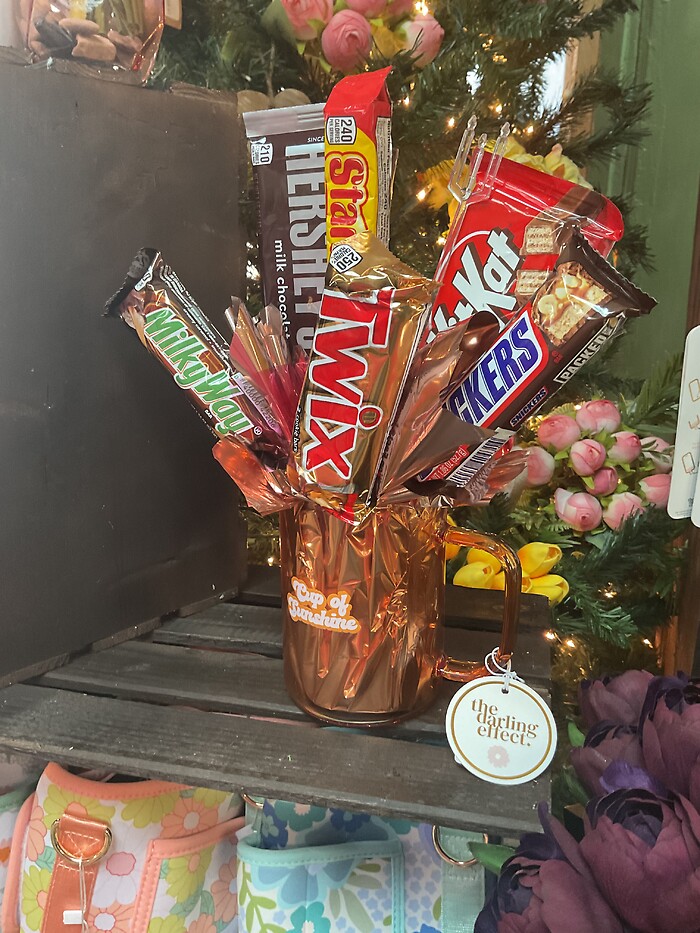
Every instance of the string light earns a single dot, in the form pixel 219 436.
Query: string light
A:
pixel 645 641
pixel 441 240
pixel 499 59
pixel 610 592
pixel 406 101
pixel 496 107
pixel 271 560
pixel 550 636
pixel 421 8
pixel 529 129
pixel 422 194
pixel 570 643
pixel 451 123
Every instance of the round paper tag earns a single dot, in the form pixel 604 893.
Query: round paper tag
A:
pixel 502 737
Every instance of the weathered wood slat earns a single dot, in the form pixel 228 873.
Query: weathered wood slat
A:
pixel 464 608
pixel 230 626
pixel 326 767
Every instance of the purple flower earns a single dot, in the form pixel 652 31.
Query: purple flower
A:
pixel 644 853
pixel 546 887
pixel 617 699
pixel 606 742
pixel 670 734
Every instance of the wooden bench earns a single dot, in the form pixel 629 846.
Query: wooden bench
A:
pixel 201 700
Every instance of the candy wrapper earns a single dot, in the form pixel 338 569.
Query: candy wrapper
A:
pixel 582 304
pixel 113 35
pixel 155 303
pixel 358 157
pixel 502 243
pixel 373 313
pixel 286 149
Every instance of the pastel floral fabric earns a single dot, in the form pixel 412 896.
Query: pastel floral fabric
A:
pixel 175 843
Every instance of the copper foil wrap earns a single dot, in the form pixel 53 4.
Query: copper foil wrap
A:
pixel 387 576
pixel 372 316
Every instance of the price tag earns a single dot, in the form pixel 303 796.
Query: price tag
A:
pixel 500 729
pixel 173 13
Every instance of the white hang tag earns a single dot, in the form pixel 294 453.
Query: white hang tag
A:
pixel 686 456
pixel 500 729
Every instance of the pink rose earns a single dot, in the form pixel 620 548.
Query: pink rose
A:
pixel 424 35
pixel 540 466
pixel 627 447
pixel 621 507
pixel 599 415
pixel 302 13
pixel 659 452
pixel 558 432
pixel 396 8
pixel 587 456
pixel 605 481
pixel 346 41
pixel 369 8
pixel 578 509
pixel 656 488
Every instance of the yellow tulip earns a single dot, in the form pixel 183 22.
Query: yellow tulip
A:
pixel 451 550
pixel 477 556
pixel 499 583
pixel 538 558
pixel 554 587
pixel 478 575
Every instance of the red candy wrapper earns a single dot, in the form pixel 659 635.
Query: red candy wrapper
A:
pixel 358 157
pixel 373 314
pixel 502 243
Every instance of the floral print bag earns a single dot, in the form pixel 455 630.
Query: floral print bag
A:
pixel 306 869
pixel 168 865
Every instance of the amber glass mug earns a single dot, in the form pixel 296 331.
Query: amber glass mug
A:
pixel 364 609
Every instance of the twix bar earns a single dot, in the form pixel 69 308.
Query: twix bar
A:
pixel 358 157
pixel 373 314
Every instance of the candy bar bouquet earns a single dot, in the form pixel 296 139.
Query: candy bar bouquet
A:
pixel 116 36
pixel 632 863
pixel 368 398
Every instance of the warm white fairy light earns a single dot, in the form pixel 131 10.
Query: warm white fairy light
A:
pixel 570 643
pixel 451 123
pixel 550 636
pixel 422 194
pixel 271 561
pixel 421 8
pixel 529 129
pixel 441 240
pixel 645 641
pixel 406 101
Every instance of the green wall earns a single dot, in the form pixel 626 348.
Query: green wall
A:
pixel 661 45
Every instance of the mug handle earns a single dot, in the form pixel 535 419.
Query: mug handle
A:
pixel 455 669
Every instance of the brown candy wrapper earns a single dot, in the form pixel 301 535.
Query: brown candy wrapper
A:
pixel 155 303
pixel 373 313
pixel 583 303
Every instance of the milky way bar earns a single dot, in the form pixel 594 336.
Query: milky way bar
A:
pixel 154 302
pixel 581 305
pixel 286 149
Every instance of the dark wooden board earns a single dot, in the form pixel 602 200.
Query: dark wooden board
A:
pixel 480 609
pixel 303 763
pixel 224 681
pixel 113 510
pixel 230 626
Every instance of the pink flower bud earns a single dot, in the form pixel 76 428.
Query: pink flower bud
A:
pixel 558 432
pixel 656 488
pixel 346 41
pixel 424 36
pixel 627 447
pixel 605 481
pixel 540 466
pixel 587 456
pixel 599 415
pixel 621 507
pixel 659 452
pixel 579 510
pixel 369 8
pixel 302 14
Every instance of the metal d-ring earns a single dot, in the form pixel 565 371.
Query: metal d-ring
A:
pixel 77 859
pixel 467 863
pixel 246 798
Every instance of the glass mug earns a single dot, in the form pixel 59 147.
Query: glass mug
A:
pixel 363 611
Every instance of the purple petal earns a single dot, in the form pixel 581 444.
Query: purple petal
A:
pixel 620 775
pixel 573 903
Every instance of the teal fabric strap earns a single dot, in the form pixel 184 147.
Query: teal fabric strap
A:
pixel 462 888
